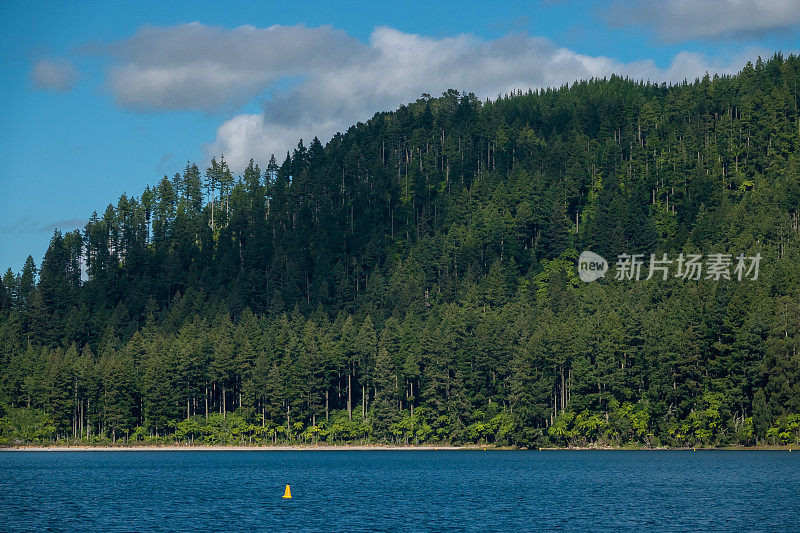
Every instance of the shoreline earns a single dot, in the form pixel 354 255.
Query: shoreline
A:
pixel 361 447
pixel 231 448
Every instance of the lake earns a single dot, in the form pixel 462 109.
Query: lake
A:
pixel 400 490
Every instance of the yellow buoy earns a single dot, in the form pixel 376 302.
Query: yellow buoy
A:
pixel 288 493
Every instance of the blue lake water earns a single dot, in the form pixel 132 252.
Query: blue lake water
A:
pixel 400 490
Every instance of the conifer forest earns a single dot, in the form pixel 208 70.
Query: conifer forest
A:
pixel 415 281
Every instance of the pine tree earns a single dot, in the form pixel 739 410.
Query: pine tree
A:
pixel 384 413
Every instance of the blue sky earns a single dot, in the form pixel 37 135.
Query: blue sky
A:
pixel 104 99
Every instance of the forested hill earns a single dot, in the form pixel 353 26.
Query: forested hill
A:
pixel 415 280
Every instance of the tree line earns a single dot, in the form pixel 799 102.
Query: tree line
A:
pixel 414 280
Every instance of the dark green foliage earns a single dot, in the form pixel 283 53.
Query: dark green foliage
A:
pixel 414 280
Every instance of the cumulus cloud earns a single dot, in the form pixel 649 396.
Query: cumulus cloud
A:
pixel 194 66
pixel 682 20
pixel 317 81
pixel 54 75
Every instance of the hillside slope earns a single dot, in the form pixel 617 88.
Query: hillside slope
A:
pixel 415 280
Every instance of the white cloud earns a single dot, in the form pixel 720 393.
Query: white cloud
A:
pixel 319 80
pixel 681 20
pixel 54 75
pixel 193 66
pixel 249 136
